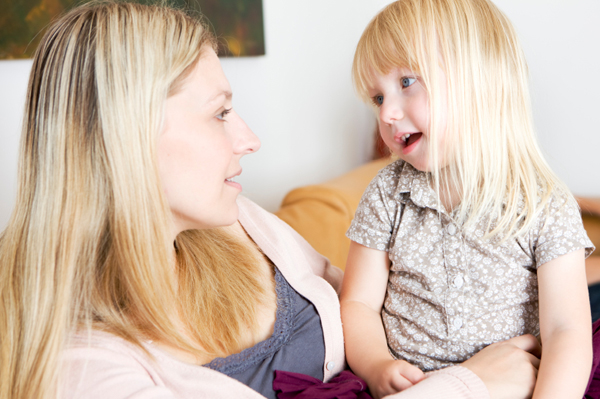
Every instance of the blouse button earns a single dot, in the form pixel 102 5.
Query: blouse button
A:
pixel 451 229
pixel 330 366
pixel 458 281
pixel 458 323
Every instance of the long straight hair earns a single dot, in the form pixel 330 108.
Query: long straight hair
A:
pixel 87 245
pixel 495 163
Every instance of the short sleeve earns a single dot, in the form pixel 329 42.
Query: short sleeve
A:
pixel 374 218
pixel 560 230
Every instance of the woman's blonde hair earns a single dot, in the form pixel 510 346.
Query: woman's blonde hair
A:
pixel 495 162
pixel 87 245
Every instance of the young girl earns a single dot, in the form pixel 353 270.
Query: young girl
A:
pixel 456 243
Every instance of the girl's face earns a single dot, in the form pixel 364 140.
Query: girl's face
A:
pixel 200 148
pixel 404 116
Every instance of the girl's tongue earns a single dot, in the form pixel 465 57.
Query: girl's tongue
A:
pixel 413 138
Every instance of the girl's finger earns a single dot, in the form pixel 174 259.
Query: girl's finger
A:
pixel 399 383
pixel 412 374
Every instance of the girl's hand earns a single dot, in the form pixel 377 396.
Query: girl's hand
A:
pixel 391 376
pixel 509 368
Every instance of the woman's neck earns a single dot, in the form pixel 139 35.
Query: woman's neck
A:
pixel 265 311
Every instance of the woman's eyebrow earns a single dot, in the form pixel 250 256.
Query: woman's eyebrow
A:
pixel 226 93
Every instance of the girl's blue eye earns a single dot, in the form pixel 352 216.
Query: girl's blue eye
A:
pixel 378 100
pixel 223 114
pixel 406 81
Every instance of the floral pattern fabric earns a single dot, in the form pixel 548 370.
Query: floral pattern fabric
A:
pixel 450 293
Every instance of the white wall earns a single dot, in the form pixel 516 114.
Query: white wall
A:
pixel 298 98
pixel 13 84
pixel 562 44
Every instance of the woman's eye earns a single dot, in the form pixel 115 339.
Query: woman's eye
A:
pixel 223 114
pixel 378 100
pixel 406 81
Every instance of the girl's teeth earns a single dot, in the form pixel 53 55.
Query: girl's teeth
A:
pixel 405 137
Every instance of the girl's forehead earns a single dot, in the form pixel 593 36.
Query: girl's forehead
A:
pixel 375 74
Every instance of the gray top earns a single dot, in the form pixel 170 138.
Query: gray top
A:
pixel 451 292
pixel 296 345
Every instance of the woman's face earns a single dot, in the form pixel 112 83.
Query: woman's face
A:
pixel 200 148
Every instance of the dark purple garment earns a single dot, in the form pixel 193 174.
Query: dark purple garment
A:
pixel 593 388
pixel 345 385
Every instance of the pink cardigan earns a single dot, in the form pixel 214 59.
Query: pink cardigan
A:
pixel 105 366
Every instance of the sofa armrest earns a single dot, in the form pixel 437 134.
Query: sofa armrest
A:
pixel 590 213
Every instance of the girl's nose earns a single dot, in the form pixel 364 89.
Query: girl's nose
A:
pixel 390 112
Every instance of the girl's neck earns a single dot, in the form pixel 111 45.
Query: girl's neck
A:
pixel 449 194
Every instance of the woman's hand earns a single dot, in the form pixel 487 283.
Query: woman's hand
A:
pixel 509 368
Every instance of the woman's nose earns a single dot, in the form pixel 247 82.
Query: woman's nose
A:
pixel 246 141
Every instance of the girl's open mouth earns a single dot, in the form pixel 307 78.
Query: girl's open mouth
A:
pixel 408 140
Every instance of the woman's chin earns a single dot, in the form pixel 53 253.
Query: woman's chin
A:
pixel 219 218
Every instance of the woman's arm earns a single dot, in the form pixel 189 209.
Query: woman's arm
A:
pixel 100 365
pixel 504 370
pixel 363 292
pixel 565 328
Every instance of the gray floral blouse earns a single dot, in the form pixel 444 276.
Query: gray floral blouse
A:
pixel 450 293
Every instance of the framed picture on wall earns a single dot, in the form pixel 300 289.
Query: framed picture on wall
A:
pixel 238 24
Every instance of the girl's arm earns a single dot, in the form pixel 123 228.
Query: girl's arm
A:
pixel 363 292
pixel 565 328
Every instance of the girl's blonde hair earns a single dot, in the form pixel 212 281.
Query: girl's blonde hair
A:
pixel 495 162
pixel 87 245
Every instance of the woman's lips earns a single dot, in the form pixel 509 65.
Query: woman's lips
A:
pixel 234 184
pixel 230 181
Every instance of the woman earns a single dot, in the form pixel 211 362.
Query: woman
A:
pixel 118 278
